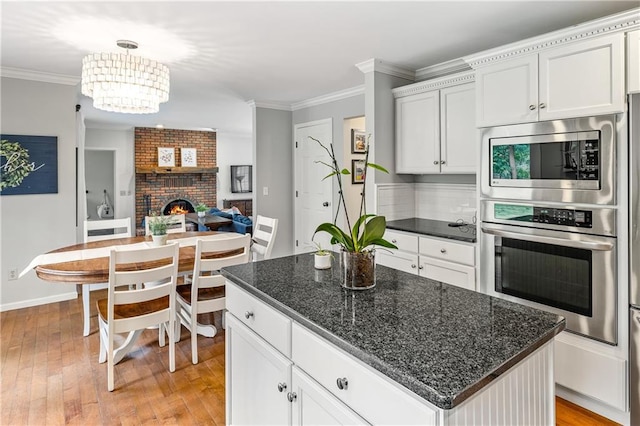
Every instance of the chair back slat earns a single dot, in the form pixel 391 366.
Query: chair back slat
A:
pixel 142 294
pixel 176 223
pixel 127 324
pixel 264 235
pixel 120 228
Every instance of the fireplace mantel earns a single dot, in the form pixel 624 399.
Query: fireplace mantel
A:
pixel 176 170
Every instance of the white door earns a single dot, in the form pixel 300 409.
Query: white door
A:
pixel 253 372
pixel 314 405
pixel 314 194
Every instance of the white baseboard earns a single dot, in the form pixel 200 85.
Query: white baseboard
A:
pixel 622 417
pixel 37 302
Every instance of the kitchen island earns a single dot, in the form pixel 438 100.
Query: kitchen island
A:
pixel 300 349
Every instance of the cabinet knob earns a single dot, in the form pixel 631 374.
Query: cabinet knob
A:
pixel 325 204
pixel 394 241
pixel 443 251
pixel 342 383
pixel 282 387
pixel 532 107
pixel 248 314
pixel 291 396
pixel 542 105
pixel 420 267
pixel 436 162
pixel 442 162
pixel 413 265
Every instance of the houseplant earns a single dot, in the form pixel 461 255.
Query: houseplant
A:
pixel 201 209
pixel 321 257
pixel 158 228
pixel 357 255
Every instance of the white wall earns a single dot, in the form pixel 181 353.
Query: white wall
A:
pixel 123 143
pixel 232 149
pixel 34 224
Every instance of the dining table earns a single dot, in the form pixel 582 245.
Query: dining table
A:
pixel 88 263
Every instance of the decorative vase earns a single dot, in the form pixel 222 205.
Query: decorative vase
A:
pixel 201 214
pixel 358 269
pixel 322 261
pixel 159 240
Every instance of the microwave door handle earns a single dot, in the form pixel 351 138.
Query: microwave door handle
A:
pixel 588 245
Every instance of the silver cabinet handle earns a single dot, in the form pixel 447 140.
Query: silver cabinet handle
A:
pixel 443 251
pixel 325 204
pixel 413 266
pixel 291 396
pixel 394 241
pixel 532 107
pixel 442 162
pixel 420 267
pixel 436 162
pixel 542 105
pixel 342 383
pixel 282 387
pixel 599 244
pixel 248 314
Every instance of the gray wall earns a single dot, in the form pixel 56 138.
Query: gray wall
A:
pixel 34 224
pixel 99 177
pixel 273 160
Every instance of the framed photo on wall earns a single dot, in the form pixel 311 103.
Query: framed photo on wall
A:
pixel 357 171
pixel 358 142
pixel 166 157
pixel 188 157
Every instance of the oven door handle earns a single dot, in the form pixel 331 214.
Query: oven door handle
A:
pixel 588 245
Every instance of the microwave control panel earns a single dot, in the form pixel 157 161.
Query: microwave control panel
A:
pixel 566 217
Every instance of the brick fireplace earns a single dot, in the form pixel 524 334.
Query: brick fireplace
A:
pixel 157 187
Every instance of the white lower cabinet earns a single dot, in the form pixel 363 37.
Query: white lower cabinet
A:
pixel 435 258
pixel 314 405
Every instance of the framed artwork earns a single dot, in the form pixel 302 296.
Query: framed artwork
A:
pixel 28 164
pixel 357 171
pixel 188 157
pixel 358 142
pixel 241 178
pixel 166 157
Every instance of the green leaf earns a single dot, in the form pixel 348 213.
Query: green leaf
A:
pixel 373 230
pixel 345 172
pixel 329 175
pixel 384 243
pixel 336 234
pixel 378 167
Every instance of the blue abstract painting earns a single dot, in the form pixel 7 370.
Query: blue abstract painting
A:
pixel 28 164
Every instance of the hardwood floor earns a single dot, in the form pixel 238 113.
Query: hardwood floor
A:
pixel 50 375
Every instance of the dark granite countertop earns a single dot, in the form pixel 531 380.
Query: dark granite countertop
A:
pixel 442 342
pixel 435 228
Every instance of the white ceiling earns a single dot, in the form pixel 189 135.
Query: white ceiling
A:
pixel 223 54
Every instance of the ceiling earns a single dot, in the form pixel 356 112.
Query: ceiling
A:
pixel 224 54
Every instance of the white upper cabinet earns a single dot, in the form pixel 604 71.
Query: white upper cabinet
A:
pixel 418 133
pixel 633 61
pixel 578 79
pixel 435 129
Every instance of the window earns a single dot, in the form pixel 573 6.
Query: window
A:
pixel 241 179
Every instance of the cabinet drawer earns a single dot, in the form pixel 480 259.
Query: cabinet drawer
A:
pixel 448 272
pixel 367 392
pixel 271 325
pixel 445 250
pixel 406 262
pixel 403 241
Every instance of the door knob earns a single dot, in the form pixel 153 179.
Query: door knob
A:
pixel 291 396
pixel 248 314
pixel 282 387
pixel 342 383
pixel 325 204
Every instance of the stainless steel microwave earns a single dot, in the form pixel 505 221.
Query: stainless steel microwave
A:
pixel 564 161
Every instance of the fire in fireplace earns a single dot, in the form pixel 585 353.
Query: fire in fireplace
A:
pixel 179 206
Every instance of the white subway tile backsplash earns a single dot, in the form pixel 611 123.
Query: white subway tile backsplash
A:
pixel 396 201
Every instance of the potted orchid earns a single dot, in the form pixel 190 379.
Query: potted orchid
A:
pixel 359 240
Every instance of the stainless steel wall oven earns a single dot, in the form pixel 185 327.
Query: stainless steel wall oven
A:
pixel 561 259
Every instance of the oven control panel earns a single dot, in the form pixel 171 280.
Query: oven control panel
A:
pixel 566 217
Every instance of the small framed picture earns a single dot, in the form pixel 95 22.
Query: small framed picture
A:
pixel 188 157
pixel 358 142
pixel 357 171
pixel 166 157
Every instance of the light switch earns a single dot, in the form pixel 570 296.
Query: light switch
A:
pixel 265 190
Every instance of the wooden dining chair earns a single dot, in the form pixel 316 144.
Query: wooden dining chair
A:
pixel 206 292
pixel 177 223
pixel 264 236
pixel 131 308
pixel 96 230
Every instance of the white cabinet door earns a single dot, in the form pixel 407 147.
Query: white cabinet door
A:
pixel 633 61
pixel 418 133
pixel 314 405
pixel 459 146
pixel 253 371
pixel 582 79
pixel 448 272
pixel 406 262
pixel 507 92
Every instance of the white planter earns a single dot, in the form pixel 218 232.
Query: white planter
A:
pixel 159 240
pixel 202 214
pixel 322 261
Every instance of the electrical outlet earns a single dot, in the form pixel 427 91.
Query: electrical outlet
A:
pixel 13 274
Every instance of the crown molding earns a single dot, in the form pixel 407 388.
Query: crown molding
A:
pixel 442 69
pixel 376 65
pixel 269 105
pixel 624 21
pixel 434 84
pixel 331 97
pixel 39 76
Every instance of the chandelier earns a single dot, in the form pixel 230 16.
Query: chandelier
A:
pixel 125 83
